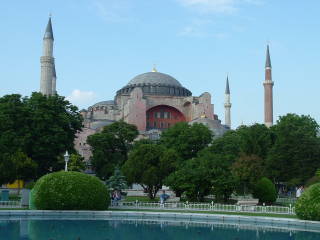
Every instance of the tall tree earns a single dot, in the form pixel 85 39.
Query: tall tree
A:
pixel 111 146
pixel 53 123
pixel 39 126
pixel 296 152
pixel 205 174
pixel 187 140
pixel 148 165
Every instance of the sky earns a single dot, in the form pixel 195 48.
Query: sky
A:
pixel 100 45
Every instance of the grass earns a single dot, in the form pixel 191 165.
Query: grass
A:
pixel 211 212
pixel 140 199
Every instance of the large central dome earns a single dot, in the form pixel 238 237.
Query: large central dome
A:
pixel 155 83
pixel 155 78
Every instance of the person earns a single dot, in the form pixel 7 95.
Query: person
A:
pixel 299 192
pixel 163 197
pixel 116 196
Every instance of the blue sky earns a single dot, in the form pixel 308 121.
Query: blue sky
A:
pixel 101 44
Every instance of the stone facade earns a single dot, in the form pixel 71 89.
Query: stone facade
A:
pixel 153 102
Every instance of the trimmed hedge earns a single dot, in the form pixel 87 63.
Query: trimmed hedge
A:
pixel 265 191
pixel 308 205
pixel 70 191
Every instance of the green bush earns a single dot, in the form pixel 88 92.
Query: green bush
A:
pixel 308 205
pixel 70 191
pixel 313 180
pixel 265 191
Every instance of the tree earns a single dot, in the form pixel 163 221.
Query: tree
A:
pixel 296 152
pixel 256 139
pixel 53 123
pixel 111 146
pixel 117 181
pixel 265 191
pixel 248 169
pixel 76 163
pixel 205 174
pixel 17 166
pixel 41 127
pixel 187 140
pixel 148 165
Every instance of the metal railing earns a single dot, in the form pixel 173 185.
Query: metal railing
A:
pixel 205 207
pixel 10 204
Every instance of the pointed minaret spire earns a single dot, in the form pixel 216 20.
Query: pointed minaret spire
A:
pixel 268 60
pixel 227 86
pixel 268 92
pixel 47 62
pixel 227 105
pixel 49 33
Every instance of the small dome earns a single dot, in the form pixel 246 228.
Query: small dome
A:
pixel 155 78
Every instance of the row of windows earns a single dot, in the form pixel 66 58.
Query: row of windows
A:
pixel 158 125
pixel 162 115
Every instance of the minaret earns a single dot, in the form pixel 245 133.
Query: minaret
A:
pixel 227 105
pixel 54 80
pixel 268 95
pixel 47 61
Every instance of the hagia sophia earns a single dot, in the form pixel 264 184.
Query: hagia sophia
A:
pixel 153 101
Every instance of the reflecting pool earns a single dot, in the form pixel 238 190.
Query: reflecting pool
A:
pixel 130 229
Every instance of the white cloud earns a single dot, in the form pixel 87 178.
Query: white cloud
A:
pixel 217 6
pixel 81 98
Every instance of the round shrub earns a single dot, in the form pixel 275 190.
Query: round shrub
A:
pixel 265 191
pixel 70 191
pixel 308 205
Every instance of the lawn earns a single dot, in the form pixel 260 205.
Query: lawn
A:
pixel 140 199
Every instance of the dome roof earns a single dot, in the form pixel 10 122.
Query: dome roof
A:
pixel 104 103
pixel 156 78
pixel 155 83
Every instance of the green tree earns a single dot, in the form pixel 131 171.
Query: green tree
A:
pixel 111 146
pixel 296 152
pixel 148 165
pixel 76 163
pixel 17 166
pixel 205 174
pixel 117 181
pixel 248 169
pixel 53 123
pixel 256 139
pixel 187 140
pixel 39 126
pixel 265 191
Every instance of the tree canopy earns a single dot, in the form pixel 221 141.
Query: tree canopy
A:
pixel 40 127
pixel 148 165
pixel 187 140
pixel 111 146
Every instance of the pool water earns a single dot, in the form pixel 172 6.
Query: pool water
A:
pixel 39 229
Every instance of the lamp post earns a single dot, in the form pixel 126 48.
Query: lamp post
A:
pixel 66 159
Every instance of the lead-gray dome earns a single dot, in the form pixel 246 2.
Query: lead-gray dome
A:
pixel 155 78
pixel 155 83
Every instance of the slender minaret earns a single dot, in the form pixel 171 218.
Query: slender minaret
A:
pixel 227 105
pixel 54 80
pixel 47 61
pixel 268 95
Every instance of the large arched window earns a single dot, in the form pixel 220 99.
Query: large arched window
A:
pixel 163 117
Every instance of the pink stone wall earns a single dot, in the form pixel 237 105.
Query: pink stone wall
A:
pixel 137 109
